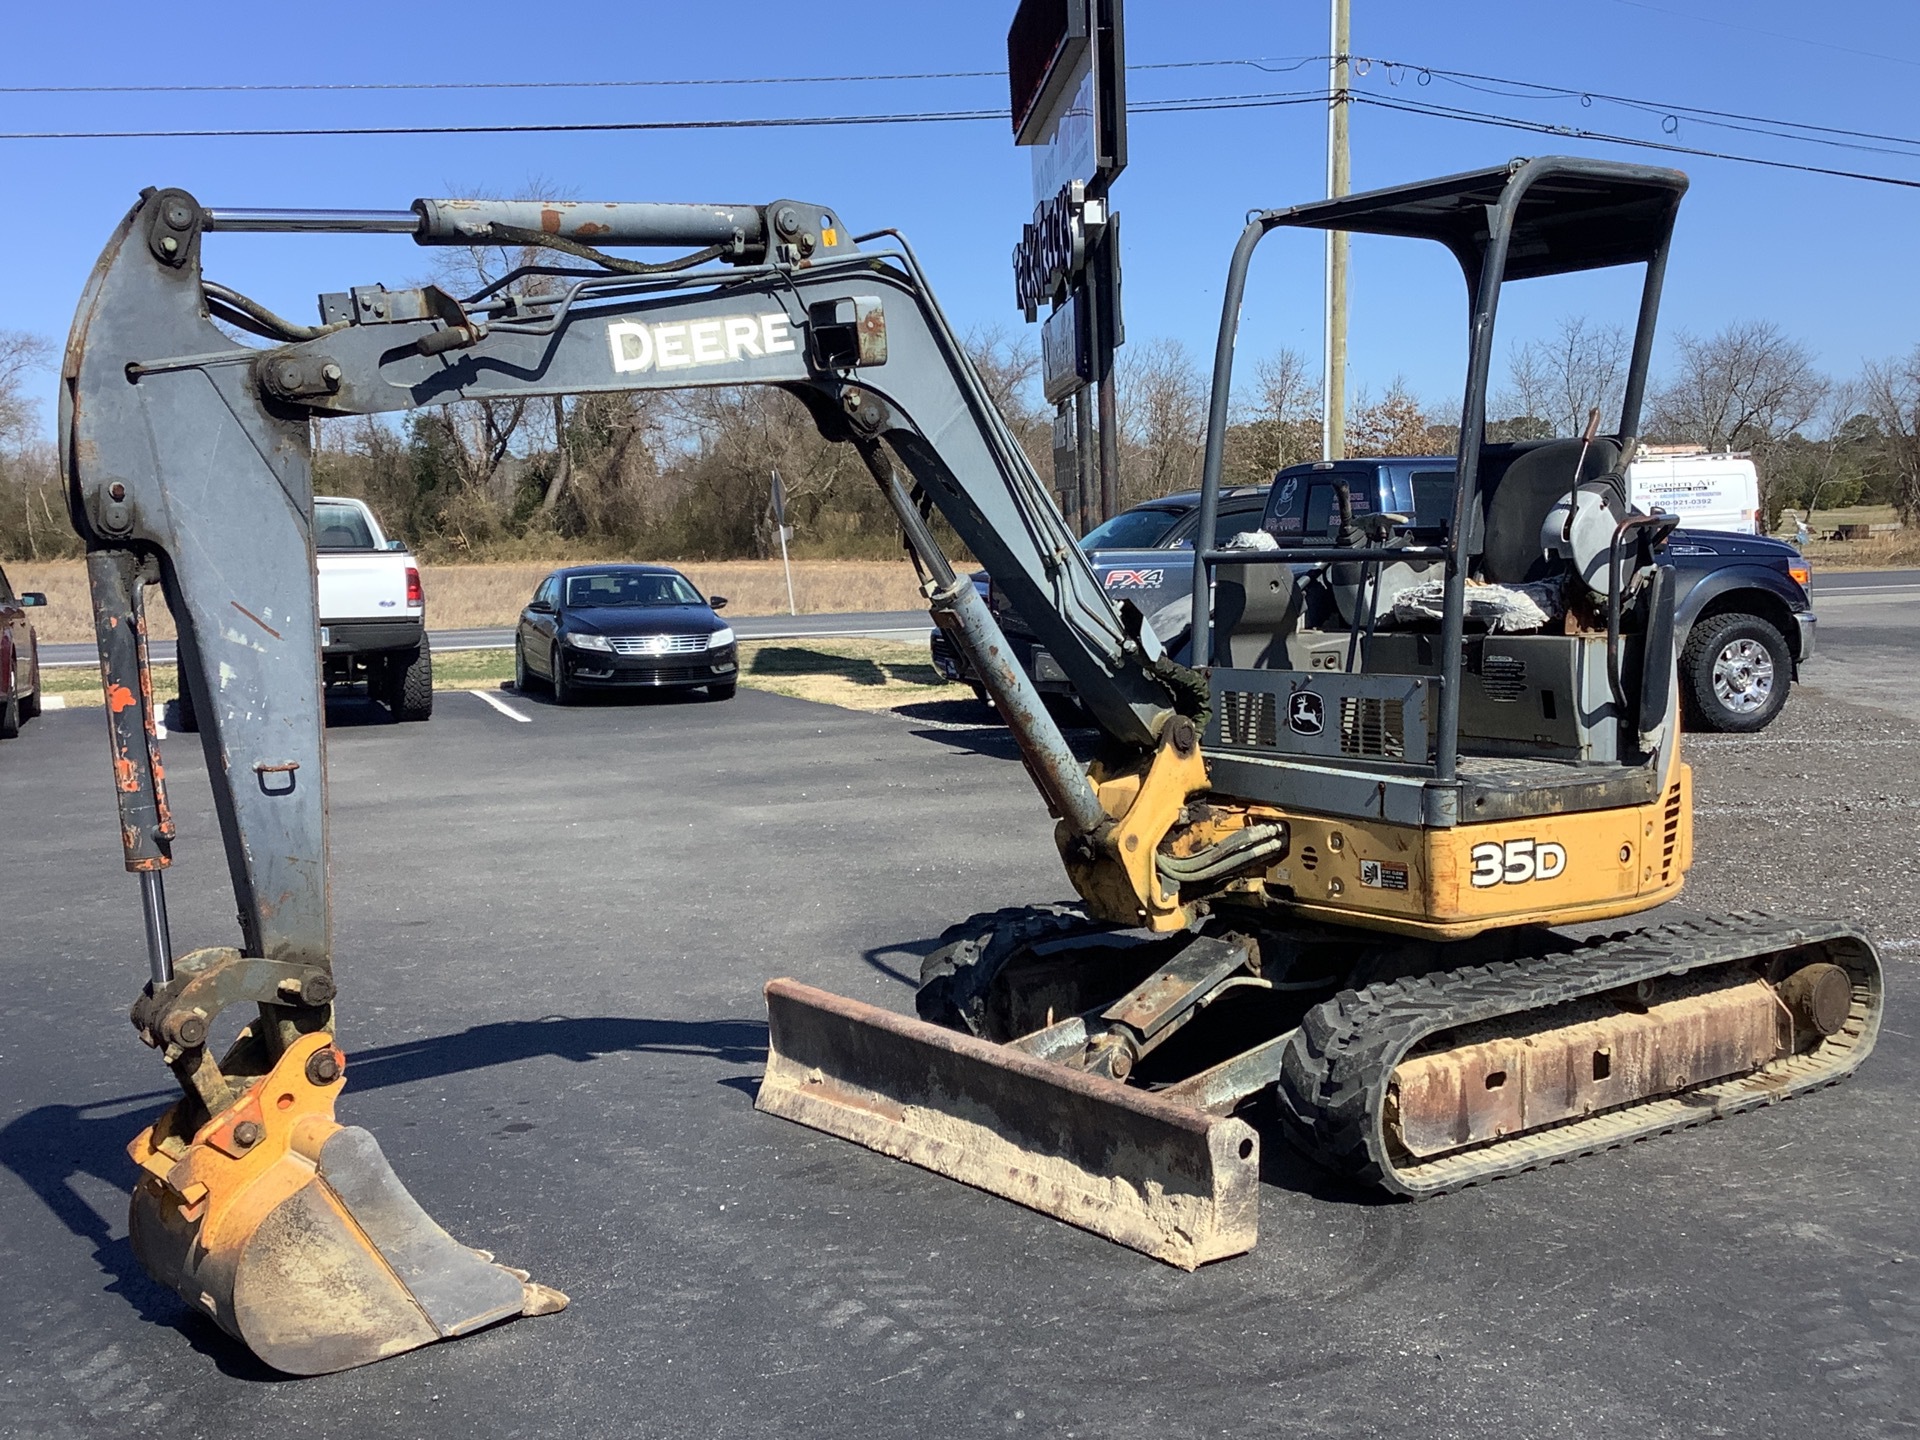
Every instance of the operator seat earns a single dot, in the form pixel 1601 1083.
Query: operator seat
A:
pixel 1525 488
pixel 1256 608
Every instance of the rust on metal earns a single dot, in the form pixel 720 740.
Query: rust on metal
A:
pixel 1499 1087
pixel 255 618
pixel 1168 1180
pixel 292 1233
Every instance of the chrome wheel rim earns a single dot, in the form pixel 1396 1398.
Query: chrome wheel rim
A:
pixel 1743 676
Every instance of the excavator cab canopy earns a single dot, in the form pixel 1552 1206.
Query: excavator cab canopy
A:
pixel 1526 219
pixel 1562 214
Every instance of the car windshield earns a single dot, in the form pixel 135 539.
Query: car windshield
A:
pixel 1131 530
pixel 340 527
pixel 630 587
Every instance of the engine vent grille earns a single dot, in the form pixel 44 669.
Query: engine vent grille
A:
pixel 1372 726
pixel 1503 677
pixel 1670 832
pixel 1247 719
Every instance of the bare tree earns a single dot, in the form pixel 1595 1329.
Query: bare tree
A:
pixel 1280 426
pixel 1395 424
pixel 1163 417
pixel 33 522
pixel 1009 366
pixel 484 434
pixel 1558 379
pixel 1744 388
pixel 20 354
pixel 1748 387
pixel 1892 396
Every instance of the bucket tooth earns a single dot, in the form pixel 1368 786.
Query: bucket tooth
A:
pixel 294 1235
pixel 1162 1178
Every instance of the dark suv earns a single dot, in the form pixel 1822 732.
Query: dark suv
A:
pixel 1743 621
pixel 19 659
pixel 1145 555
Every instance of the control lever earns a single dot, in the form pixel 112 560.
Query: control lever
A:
pixel 1579 468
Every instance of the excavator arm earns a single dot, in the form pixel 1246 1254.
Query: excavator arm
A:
pixel 188 460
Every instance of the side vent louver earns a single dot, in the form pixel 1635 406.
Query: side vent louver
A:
pixel 1247 719
pixel 1373 727
pixel 1670 831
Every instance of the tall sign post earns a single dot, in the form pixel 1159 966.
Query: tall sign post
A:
pixel 1066 70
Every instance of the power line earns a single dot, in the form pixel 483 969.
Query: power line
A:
pixel 1668 112
pixel 1257 101
pixel 1272 64
pixel 1542 127
pixel 1790 130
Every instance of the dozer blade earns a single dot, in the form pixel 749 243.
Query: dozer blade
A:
pixel 1172 1182
pixel 293 1233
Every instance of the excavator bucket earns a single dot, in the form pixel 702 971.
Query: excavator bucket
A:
pixel 294 1235
pixel 1170 1181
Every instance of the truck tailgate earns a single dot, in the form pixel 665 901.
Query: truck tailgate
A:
pixel 355 586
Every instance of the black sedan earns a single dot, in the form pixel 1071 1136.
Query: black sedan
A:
pixel 608 627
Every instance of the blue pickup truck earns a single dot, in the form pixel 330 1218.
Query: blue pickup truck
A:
pixel 1744 619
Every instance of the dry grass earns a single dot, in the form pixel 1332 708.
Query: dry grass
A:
pixel 1895 551
pixel 1882 552
pixel 463 597
pixel 474 597
pixel 853 674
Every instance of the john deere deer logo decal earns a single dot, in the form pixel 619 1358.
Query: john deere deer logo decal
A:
pixel 1305 714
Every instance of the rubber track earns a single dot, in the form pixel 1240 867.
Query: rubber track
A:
pixel 955 978
pixel 1335 1073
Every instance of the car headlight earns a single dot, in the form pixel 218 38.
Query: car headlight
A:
pixel 590 642
pixel 720 637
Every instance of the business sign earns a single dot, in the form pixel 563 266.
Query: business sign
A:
pixel 1045 44
pixel 1068 151
pixel 1066 360
pixel 1066 74
pixel 1053 247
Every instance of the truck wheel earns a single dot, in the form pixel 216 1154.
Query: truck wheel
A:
pixel 1734 674
pixel 409 682
pixel 563 692
pixel 30 707
pixel 9 715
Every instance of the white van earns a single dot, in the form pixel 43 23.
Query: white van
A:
pixel 1707 492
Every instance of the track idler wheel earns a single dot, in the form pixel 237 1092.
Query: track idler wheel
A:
pixel 294 1235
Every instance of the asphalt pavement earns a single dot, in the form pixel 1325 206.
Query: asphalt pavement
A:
pixel 551 938
pixel 1868 639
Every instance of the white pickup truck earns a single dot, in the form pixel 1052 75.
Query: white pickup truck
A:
pixel 373 611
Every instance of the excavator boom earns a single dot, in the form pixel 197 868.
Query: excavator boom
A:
pixel 187 456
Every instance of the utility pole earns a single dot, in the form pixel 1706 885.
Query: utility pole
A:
pixel 1333 427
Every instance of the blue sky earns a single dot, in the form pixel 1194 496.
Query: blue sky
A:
pixel 1830 260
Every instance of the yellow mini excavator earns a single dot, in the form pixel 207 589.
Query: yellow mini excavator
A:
pixel 1319 851
pixel 1329 870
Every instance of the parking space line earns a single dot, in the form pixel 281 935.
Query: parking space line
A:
pixel 505 709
